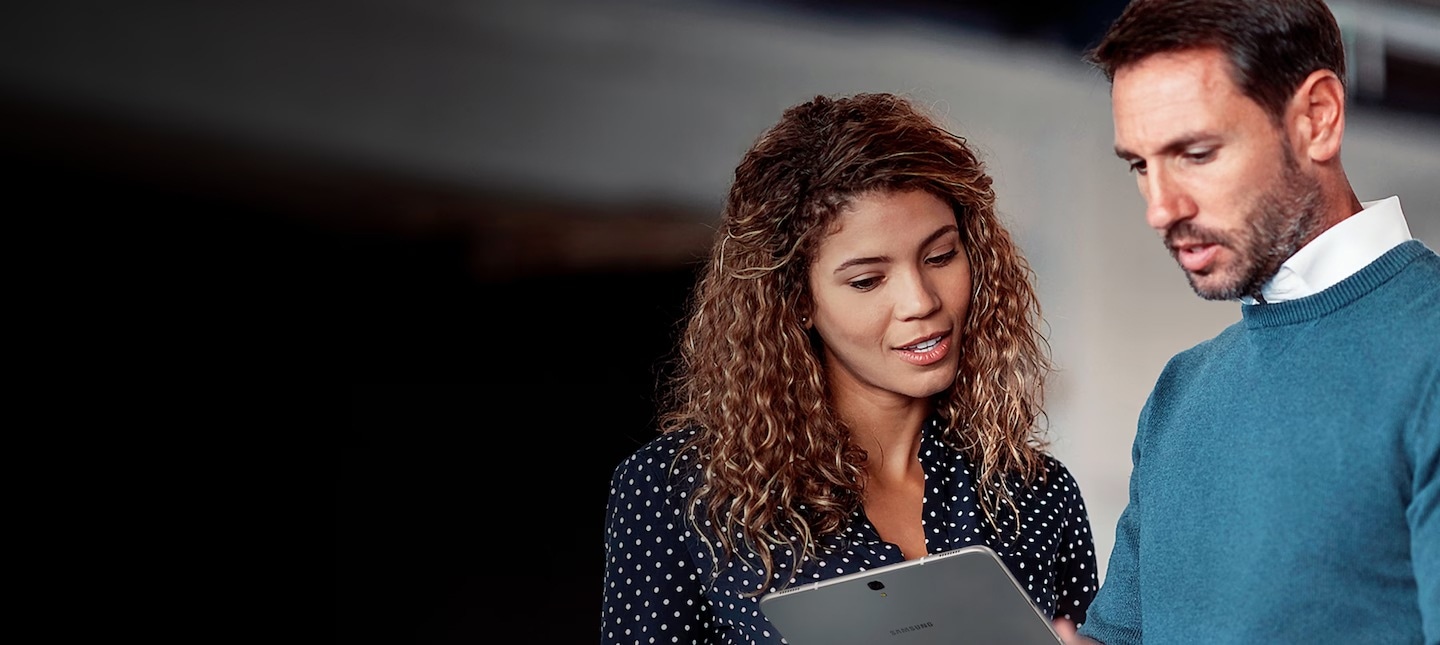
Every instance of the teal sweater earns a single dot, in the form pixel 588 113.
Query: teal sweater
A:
pixel 1284 487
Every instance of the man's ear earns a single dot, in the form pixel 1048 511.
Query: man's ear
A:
pixel 1318 111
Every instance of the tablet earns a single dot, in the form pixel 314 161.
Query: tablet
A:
pixel 959 597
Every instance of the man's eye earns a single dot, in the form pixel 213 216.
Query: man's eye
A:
pixel 1200 156
pixel 1137 167
pixel 864 284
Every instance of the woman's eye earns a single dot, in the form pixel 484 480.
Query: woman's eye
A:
pixel 942 259
pixel 864 284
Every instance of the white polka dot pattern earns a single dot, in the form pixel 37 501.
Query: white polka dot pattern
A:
pixel 657 586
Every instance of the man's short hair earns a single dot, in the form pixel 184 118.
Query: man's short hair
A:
pixel 1272 45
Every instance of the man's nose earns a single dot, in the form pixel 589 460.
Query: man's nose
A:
pixel 1166 201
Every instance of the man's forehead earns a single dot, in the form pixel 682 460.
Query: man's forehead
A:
pixel 1191 70
pixel 1174 96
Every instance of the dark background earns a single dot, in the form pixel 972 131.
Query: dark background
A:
pixel 279 322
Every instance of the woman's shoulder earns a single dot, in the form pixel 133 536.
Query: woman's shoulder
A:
pixel 1057 477
pixel 1053 465
pixel 662 454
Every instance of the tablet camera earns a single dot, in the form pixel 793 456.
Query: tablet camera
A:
pixel 875 584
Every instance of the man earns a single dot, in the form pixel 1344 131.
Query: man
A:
pixel 1285 485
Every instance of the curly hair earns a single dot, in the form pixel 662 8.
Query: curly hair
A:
pixel 779 469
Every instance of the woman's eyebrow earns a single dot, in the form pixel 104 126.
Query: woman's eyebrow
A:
pixel 878 259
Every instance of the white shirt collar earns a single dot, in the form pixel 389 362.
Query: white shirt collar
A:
pixel 1338 252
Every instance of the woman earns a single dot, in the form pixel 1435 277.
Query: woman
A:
pixel 859 382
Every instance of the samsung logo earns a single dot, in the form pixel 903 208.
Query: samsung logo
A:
pixel 912 628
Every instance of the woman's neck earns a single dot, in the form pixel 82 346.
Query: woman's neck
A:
pixel 890 435
pixel 894 478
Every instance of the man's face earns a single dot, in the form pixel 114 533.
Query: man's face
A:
pixel 1220 182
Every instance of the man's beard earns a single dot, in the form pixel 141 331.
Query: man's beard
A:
pixel 1283 219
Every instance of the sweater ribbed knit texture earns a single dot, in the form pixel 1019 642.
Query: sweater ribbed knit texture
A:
pixel 1284 487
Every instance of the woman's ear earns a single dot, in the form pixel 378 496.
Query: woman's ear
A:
pixel 1318 110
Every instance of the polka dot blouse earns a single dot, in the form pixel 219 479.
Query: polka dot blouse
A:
pixel 658 587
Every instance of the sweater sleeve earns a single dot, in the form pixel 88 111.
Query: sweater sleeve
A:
pixel 1423 515
pixel 1115 616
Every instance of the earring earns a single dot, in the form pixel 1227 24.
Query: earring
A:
pixel 804 320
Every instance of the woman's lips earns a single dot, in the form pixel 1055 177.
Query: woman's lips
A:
pixel 927 352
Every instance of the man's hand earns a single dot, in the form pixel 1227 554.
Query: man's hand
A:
pixel 1066 630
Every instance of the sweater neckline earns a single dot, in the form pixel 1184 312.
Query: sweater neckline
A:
pixel 1336 296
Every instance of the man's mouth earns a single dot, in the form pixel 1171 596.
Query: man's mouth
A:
pixel 1195 258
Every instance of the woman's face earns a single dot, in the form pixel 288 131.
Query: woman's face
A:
pixel 891 288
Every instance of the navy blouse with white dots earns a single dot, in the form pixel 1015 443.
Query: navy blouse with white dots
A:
pixel 658 586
